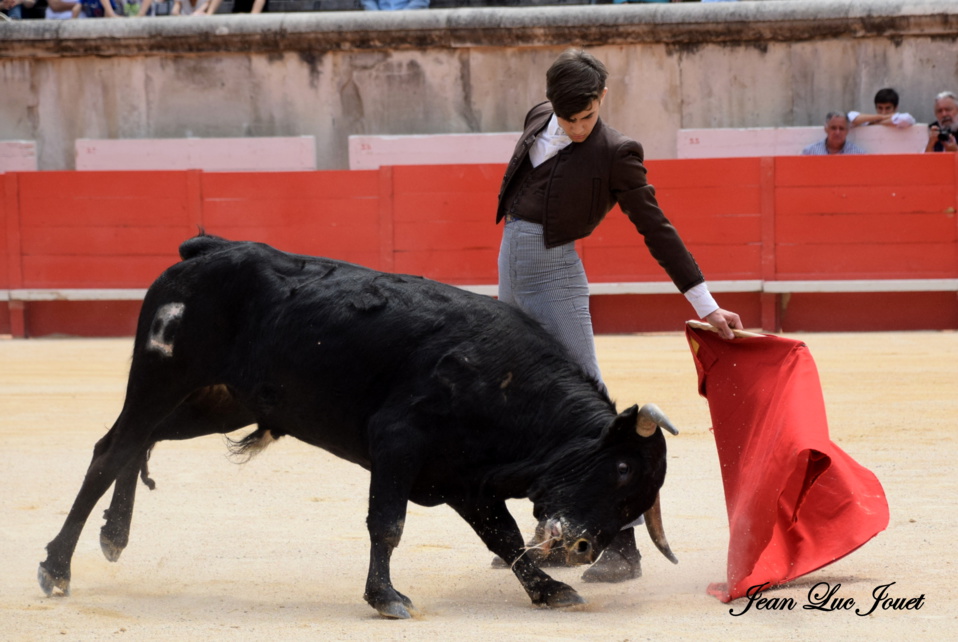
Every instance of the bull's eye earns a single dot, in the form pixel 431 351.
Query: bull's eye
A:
pixel 624 470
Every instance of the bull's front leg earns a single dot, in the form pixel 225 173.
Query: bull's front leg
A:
pixel 496 527
pixel 387 514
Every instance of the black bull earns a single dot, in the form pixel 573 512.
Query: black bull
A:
pixel 443 395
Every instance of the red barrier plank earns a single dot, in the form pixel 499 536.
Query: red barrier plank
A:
pixel 446 235
pixel 871 199
pixel 97 185
pixel 698 200
pixel 464 267
pixel 725 229
pixel 622 313
pixel 104 240
pixel 83 318
pixel 708 172
pixel 858 229
pixel 64 210
pixel 333 185
pixel 94 271
pixel 8 212
pixel 445 205
pixel 463 179
pixel 289 212
pixel 636 264
pixel 868 169
pixel 319 240
pixel 867 261
pixel 861 312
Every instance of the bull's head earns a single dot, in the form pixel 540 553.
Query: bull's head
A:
pixel 591 493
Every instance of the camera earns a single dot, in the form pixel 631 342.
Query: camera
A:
pixel 944 135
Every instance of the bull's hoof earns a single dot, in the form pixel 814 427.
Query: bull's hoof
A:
pixel 394 611
pixel 111 550
pixel 552 594
pixel 53 585
pixel 563 598
pixel 395 605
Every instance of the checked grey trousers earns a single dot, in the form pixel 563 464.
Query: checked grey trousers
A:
pixel 548 284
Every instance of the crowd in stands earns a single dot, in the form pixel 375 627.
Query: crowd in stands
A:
pixel 68 9
pixel 941 133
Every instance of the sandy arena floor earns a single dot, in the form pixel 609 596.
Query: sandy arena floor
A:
pixel 277 549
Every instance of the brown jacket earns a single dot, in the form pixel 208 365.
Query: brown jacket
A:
pixel 588 179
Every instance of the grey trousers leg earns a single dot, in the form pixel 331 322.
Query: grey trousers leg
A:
pixel 550 286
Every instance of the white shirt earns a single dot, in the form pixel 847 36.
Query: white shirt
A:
pixel 898 119
pixel 549 142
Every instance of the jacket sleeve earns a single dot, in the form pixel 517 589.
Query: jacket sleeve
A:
pixel 636 198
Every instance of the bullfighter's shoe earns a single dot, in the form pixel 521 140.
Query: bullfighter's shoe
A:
pixel 621 561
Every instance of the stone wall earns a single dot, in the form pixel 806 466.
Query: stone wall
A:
pixel 332 74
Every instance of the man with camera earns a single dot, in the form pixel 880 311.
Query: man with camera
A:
pixel 941 133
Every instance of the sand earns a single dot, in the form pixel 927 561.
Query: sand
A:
pixel 277 548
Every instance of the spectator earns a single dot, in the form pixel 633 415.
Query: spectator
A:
pixel 189 7
pixel 886 112
pixel 239 6
pixel 394 5
pixel 63 9
pixel 14 9
pixel 941 133
pixel 114 8
pixel 836 138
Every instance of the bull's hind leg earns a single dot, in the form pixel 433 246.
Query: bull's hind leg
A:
pixel 119 448
pixel 115 534
pixel 498 530
pixel 211 410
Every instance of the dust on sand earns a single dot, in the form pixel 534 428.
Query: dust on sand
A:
pixel 277 548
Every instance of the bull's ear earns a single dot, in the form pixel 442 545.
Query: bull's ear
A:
pixel 623 425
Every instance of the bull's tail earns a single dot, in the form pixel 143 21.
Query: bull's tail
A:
pixel 201 244
pixel 242 450
pixel 145 470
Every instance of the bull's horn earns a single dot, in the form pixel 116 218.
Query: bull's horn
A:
pixel 651 417
pixel 653 521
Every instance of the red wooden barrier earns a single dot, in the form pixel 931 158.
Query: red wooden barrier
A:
pixel 745 219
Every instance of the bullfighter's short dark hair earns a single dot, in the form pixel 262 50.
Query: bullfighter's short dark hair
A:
pixel 574 80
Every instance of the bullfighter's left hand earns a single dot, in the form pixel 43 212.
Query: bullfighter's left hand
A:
pixel 724 321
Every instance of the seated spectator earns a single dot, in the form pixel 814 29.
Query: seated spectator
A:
pixel 63 9
pixel 239 6
pixel 189 7
pixel 114 8
pixel 96 9
pixel 394 5
pixel 836 138
pixel 14 9
pixel 886 112
pixel 941 133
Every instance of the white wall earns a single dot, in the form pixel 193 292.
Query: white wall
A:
pixel 333 75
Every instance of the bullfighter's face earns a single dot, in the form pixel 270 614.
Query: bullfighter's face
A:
pixel 579 126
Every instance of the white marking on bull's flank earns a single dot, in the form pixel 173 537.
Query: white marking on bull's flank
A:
pixel 159 341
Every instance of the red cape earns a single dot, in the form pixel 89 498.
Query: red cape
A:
pixel 795 500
